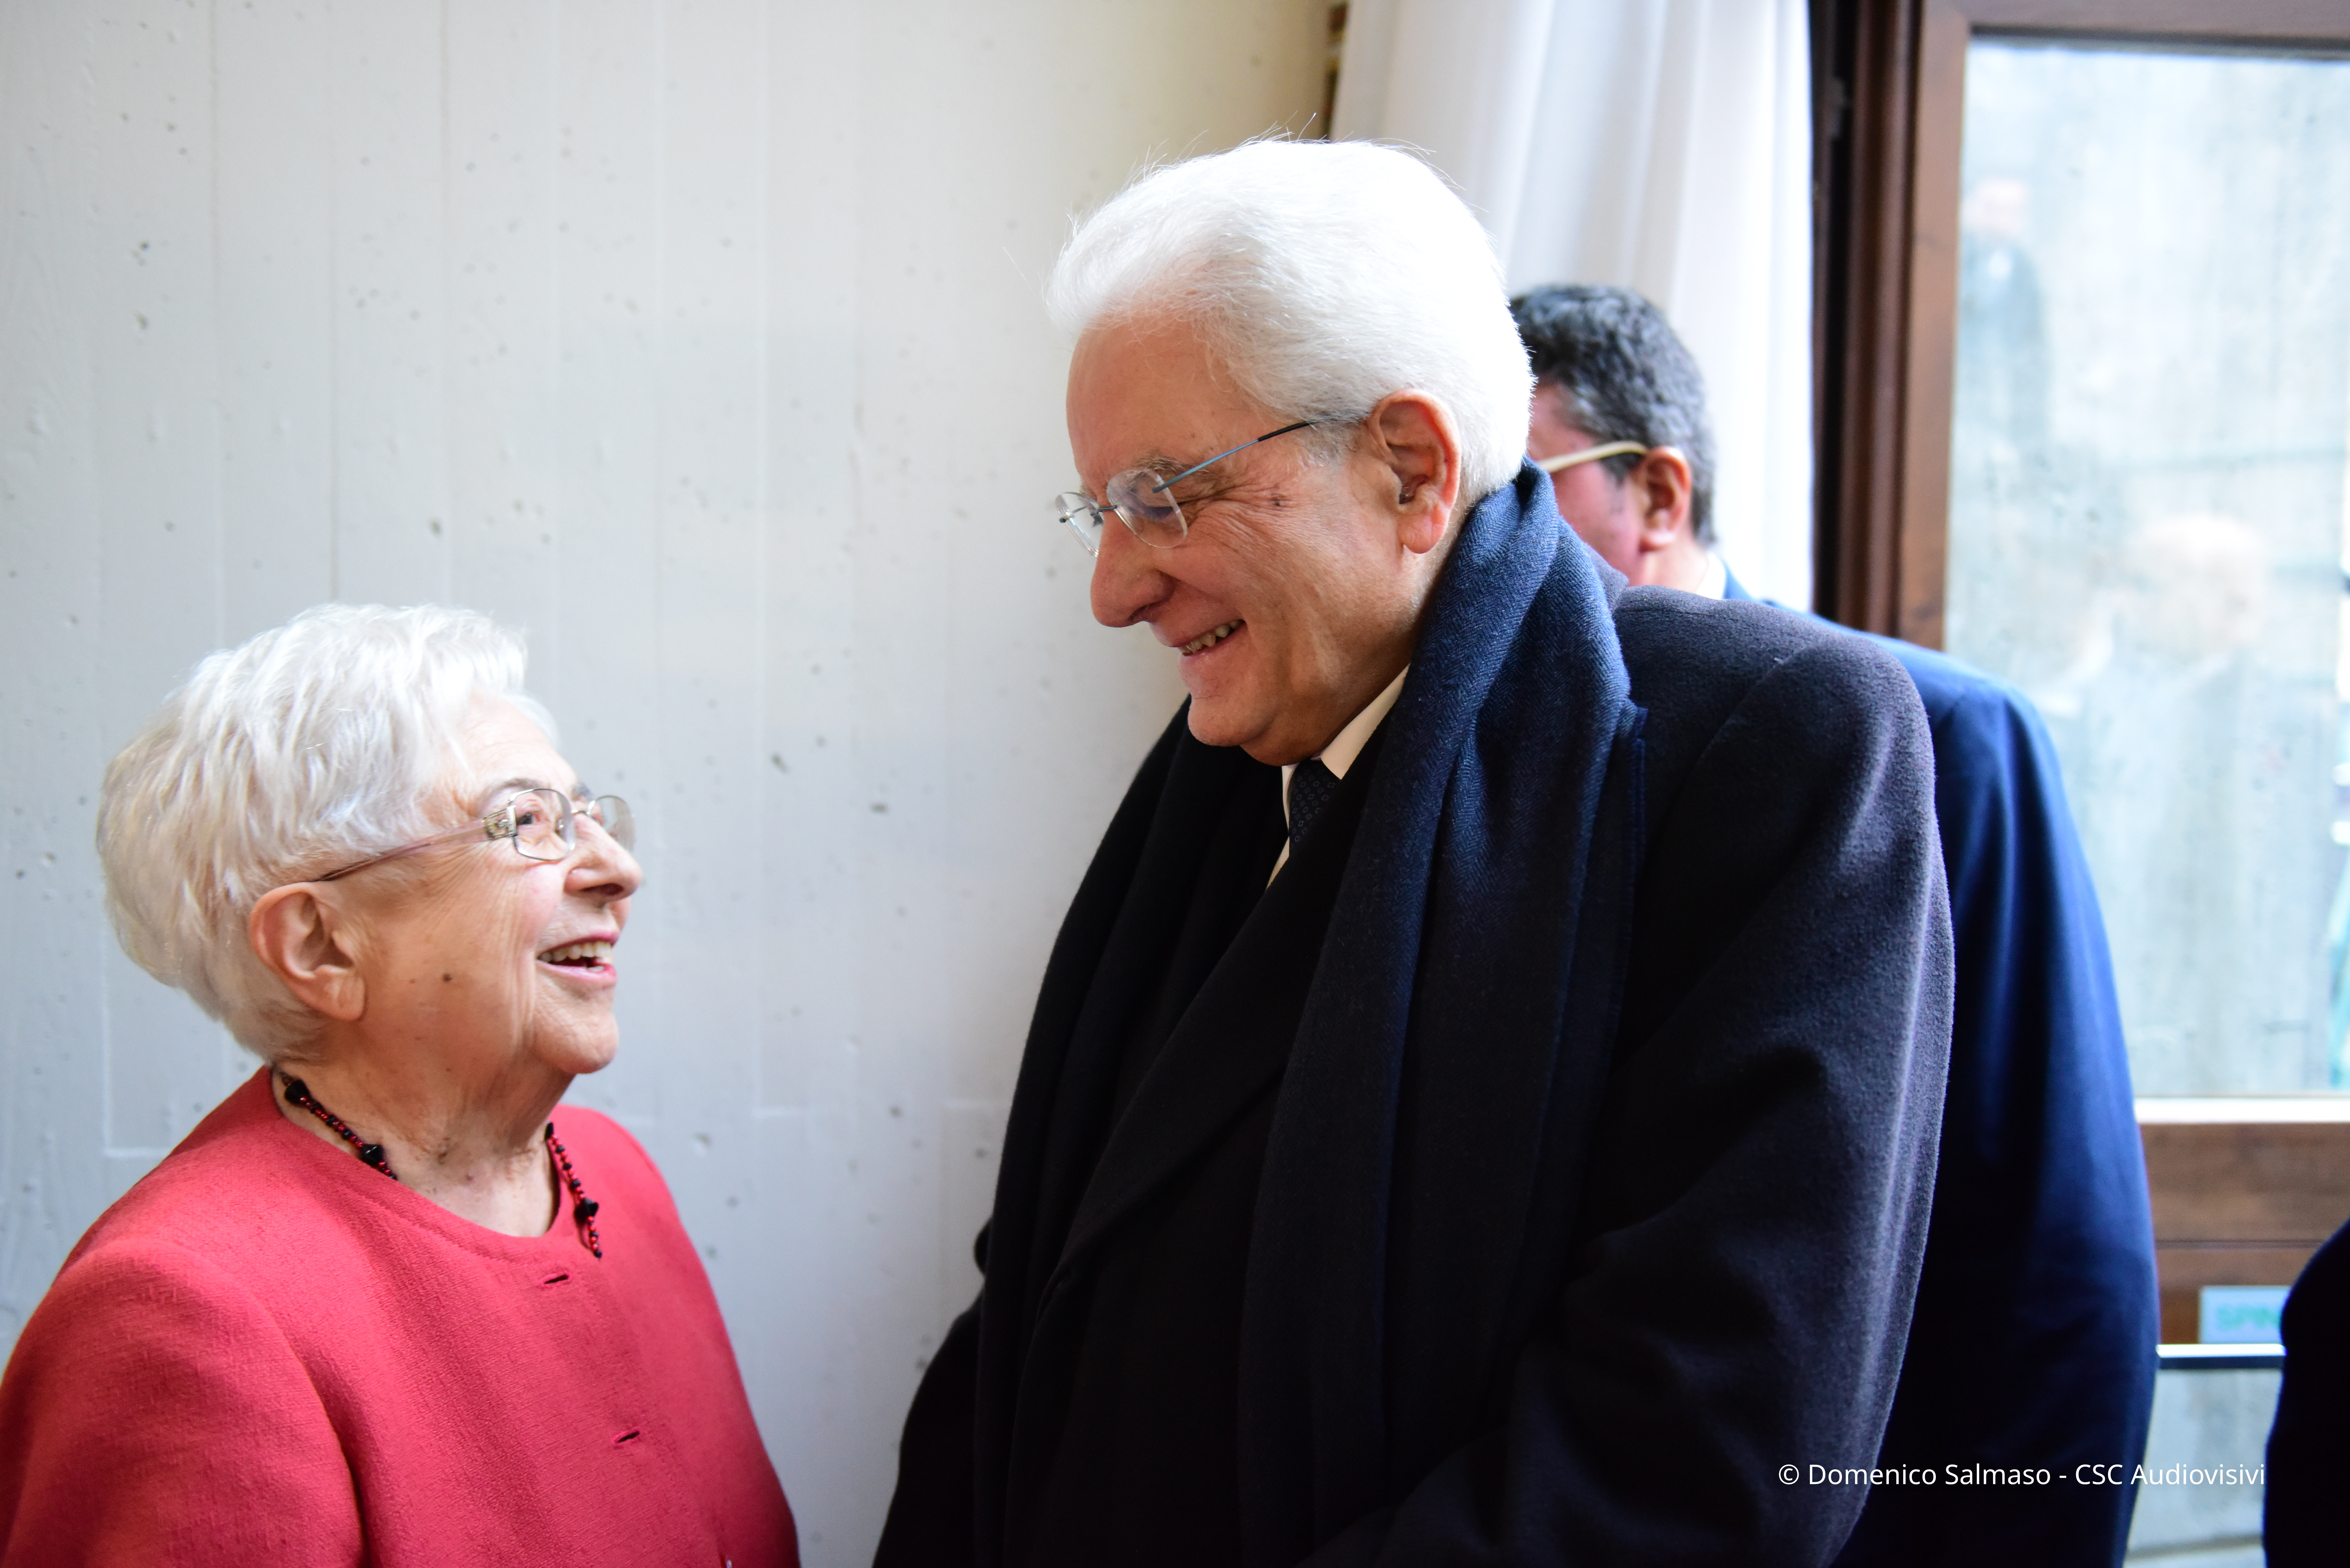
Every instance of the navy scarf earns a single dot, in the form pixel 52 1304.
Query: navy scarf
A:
pixel 1405 1241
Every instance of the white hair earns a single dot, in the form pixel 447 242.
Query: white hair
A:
pixel 1323 275
pixel 313 745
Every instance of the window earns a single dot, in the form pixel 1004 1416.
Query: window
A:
pixel 2083 349
pixel 2085 341
pixel 2146 526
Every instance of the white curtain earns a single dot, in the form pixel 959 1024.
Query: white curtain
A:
pixel 1661 145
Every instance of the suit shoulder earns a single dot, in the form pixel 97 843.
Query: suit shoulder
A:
pixel 1763 691
pixel 1951 689
pixel 1987 733
pixel 1700 656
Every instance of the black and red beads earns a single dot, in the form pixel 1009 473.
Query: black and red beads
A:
pixel 583 1208
pixel 370 1154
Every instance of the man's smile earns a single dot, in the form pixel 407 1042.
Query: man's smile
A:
pixel 1210 638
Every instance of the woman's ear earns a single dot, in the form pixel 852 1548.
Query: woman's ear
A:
pixel 1411 436
pixel 305 941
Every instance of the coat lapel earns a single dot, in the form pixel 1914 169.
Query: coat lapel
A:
pixel 1233 1041
pixel 1206 790
pixel 1127 909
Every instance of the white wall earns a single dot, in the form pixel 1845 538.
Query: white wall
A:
pixel 701 340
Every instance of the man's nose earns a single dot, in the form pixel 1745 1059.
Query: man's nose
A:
pixel 1126 579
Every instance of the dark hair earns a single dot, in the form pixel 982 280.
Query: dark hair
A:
pixel 1621 374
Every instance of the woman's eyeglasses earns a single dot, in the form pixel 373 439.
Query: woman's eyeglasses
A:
pixel 541 824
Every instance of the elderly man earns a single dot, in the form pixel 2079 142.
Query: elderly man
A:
pixel 1480 1105
pixel 2033 1341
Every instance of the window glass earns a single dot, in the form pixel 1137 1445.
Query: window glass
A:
pixel 2148 531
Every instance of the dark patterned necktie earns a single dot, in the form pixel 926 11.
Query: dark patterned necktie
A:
pixel 1311 785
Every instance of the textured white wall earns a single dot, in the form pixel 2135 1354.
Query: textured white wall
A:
pixel 701 340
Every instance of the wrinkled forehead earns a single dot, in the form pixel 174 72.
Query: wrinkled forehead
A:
pixel 501 752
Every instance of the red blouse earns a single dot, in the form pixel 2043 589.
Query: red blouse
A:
pixel 267 1353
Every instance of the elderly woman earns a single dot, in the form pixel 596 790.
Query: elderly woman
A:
pixel 386 1303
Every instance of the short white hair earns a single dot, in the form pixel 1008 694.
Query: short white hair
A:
pixel 1323 275
pixel 313 745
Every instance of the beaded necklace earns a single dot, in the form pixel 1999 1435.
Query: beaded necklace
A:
pixel 371 1155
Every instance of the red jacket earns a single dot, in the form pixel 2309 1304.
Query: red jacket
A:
pixel 266 1352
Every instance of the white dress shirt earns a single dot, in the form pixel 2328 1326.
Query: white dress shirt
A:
pixel 1715 584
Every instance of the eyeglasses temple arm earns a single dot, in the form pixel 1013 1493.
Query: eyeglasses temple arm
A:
pixel 1588 455
pixel 487 827
pixel 1161 486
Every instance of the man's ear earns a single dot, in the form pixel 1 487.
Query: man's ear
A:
pixel 1662 488
pixel 1411 437
pixel 304 939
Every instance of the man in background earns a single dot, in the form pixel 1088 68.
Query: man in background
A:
pixel 2032 1344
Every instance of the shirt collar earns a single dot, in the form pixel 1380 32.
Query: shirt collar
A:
pixel 1715 584
pixel 1348 744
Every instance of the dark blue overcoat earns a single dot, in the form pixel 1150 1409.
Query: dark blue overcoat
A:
pixel 2032 1345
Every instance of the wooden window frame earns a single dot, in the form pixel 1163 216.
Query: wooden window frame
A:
pixel 1890 110
pixel 2233 1201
